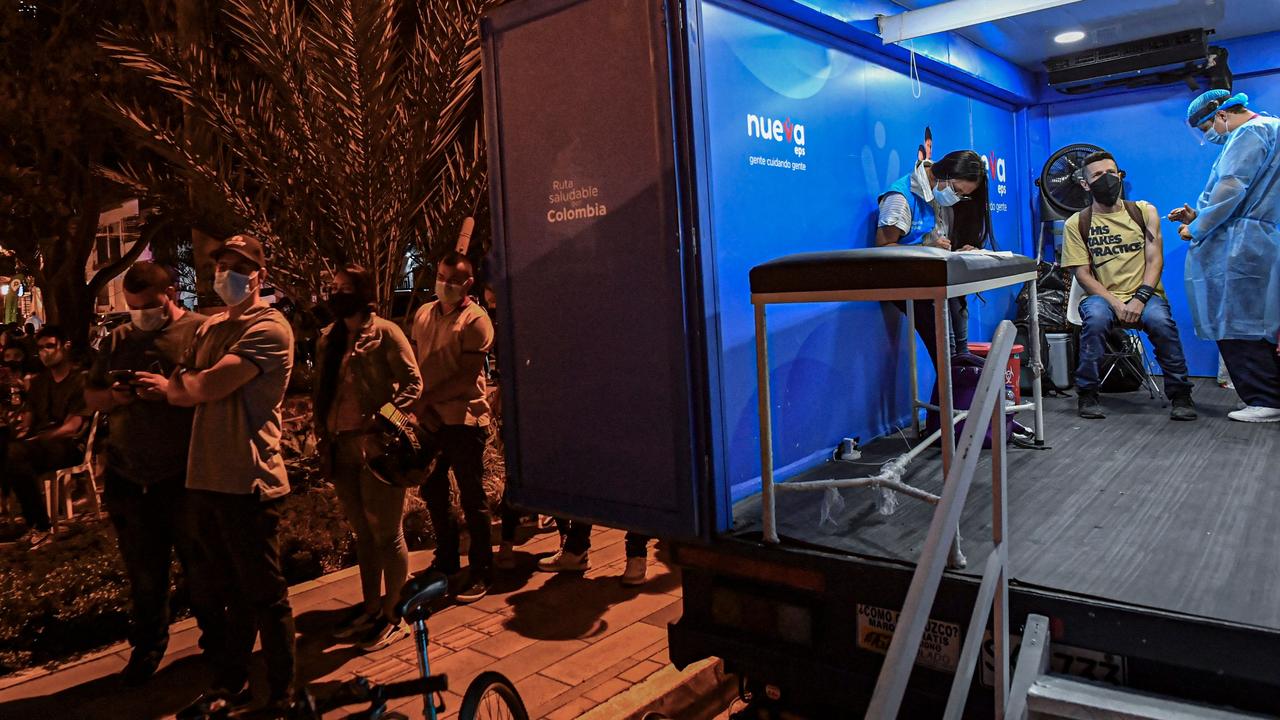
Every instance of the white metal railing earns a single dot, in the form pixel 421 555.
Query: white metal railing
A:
pixel 986 411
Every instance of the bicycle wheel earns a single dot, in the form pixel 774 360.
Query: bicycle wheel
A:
pixel 491 696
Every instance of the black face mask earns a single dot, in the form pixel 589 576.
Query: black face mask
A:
pixel 1106 189
pixel 13 364
pixel 345 304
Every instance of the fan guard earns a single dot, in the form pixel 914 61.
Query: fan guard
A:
pixel 1059 180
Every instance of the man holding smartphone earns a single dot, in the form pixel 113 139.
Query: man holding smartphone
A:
pixel 234 374
pixel 146 450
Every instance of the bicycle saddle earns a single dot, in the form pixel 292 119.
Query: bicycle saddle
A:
pixel 419 593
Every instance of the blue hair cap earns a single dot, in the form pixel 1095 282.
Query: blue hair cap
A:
pixel 1212 101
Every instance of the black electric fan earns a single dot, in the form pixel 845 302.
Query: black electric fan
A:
pixel 1060 193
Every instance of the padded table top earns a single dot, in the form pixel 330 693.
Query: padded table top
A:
pixel 897 266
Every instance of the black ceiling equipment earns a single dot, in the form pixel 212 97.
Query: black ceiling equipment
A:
pixel 1177 57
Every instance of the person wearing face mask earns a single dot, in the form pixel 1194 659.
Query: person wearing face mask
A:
pixel 1233 262
pixel 1117 253
pixel 146 461
pixel 234 373
pixel 452 334
pixel 364 362
pixel 942 205
pixel 50 432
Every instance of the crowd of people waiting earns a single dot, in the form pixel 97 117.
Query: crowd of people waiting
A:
pixel 193 466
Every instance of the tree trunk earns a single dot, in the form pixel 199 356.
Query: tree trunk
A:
pixel 68 304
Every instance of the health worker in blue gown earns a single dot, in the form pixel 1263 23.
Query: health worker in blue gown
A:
pixel 943 205
pixel 1233 264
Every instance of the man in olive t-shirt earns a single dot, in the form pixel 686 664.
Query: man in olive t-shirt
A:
pixel 1119 266
pixel 235 375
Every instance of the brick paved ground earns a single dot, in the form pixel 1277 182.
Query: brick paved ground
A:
pixel 569 642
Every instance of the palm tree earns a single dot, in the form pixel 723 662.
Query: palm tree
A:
pixel 337 130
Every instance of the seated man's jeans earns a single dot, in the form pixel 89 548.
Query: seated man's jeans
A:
pixel 1097 318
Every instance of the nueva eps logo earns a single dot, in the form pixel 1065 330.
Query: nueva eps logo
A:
pixel 759 126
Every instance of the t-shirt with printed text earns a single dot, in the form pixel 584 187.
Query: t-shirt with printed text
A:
pixel 1117 248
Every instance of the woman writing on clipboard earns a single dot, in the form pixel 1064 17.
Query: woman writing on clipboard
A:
pixel 942 205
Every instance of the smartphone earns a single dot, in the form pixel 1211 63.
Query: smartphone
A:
pixel 123 377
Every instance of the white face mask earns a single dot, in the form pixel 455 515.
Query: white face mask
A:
pixel 448 293
pixel 232 287
pixel 148 319
pixel 946 196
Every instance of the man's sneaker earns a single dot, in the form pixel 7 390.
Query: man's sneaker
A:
pixel 1255 414
pixel 1183 408
pixel 1088 405
pixel 383 633
pixel 637 569
pixel 505 558
pixel 356 626
pixel 564 561
pixel 473 591
pixel 215 702
pixel 142 665
pixel 454 576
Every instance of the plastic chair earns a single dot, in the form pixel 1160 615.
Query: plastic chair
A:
pixel 58 484
pixel 1130 355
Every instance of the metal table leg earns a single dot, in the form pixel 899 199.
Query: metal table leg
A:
pixel 915 375
pixel 766 428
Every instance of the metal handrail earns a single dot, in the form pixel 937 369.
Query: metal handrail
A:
pixel 987 410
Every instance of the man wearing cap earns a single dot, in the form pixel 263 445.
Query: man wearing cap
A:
pixel 234 374
pixel 1233 264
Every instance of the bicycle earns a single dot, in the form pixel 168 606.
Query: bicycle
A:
pixel 491 696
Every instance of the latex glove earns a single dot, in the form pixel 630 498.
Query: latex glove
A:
pixel 1183 214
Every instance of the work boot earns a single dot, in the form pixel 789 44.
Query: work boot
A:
pixel 1088 405
pixel 1183 408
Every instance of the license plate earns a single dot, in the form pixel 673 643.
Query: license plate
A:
pixel 939 648
pixel 1063 660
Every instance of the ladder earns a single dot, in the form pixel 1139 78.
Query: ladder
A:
pixel 1038 695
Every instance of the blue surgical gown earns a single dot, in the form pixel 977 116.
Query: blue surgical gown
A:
pixel 1233 264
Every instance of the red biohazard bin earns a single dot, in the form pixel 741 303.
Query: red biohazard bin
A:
pixel 1012 374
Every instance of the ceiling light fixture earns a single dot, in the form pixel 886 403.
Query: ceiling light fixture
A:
pixel 1068 37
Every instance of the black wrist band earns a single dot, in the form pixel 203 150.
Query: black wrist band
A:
pixel 1144 293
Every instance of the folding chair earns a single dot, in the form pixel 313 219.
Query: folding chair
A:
pixel 59 483
pixel 1124 349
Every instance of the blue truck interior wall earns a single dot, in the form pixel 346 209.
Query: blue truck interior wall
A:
pixel 1147 131
pixel 836 370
